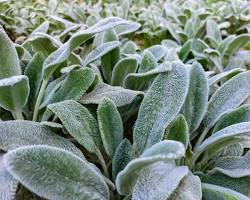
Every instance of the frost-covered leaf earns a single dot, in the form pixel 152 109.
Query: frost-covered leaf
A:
pixel 141 81
pixel 129 48
pixel 109 60
pixel 166 150
pixel 211 192
pixel 237 87
pixel 163 100
pixel 118 95
pixel 233 166
pixel 178 130
pixel 110 125
pixel 121 158
pixel 123 68
pixel 14 92
pixel 59 56
pixel 20 133
pixel 9 62
pixel 224 75
pixel 79 122
pixel 195 104
pixel 165 181
pixel 241 185
pixel 213 30
pixel 72 87
pixel 214 57
pixel 238 115
pixel 8 184
pixel 127 28
pixel 148 62
pixel 55 173
pixel 158 51
pixel 216 140
pixel 42 28
pixel 101 51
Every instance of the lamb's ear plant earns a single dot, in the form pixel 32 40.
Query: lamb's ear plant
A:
pixel 87 114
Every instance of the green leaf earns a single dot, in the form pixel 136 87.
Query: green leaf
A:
pixel 40 168
pixel 123 68
pixel 34 72
pixel 129 48
pixel 213 30
pixel 141 81
pixel 176 183
pixel 121 157
pixel 178 130
pixel 118 95
pixel 101 51
pixel 215 58
pixel 109 60
pixel 241 185
pixel 238 115
pixel 216 140
pixel 224 75
pixel 110 125
pixel 166 150
pixel 8 185
pixel 222 101
pixel 79 122
pixel 211 192
pixel 42 28
pixel 235 44
pixel 233 166
pixel 20 133
pixel 14 92
pixel 195 104
pixel 80 79
pixel 148 62
pixel 59 56
pixel 163 101
pixel 185 50
pixel 9 61
pixel 158 51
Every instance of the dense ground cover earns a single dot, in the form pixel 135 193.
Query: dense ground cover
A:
pixel 141 100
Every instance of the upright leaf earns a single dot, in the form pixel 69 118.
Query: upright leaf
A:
pixel 79 123
pixel 9 62
pixel 222 101
pixel 123 68
pixel 110 125
pixel 148 62
pixel 195 104
pixel 163 101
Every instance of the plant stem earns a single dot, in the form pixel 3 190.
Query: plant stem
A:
pixel 103 163
pixel 39 99
pixel 19 115
pixel 201 138
pixel 109 183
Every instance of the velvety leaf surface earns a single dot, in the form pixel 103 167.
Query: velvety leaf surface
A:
pixel 166 150
pixel 8 185
pixel 123 68
pixel 211 192
pixel 148 62
pixel 195 104
pixel 222 101
pixel 238 115
pixel 178 130
pixel 163 101
pixel 72 87
pixel 9 62
pixel 121 157
pixel 56 174
pixel 110 125
pixel 79 122
pixel 20 133
pixel 118 95
pixel 14 92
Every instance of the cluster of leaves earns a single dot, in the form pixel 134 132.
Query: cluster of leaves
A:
pixel 85 114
